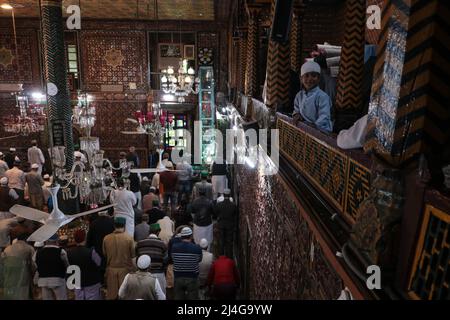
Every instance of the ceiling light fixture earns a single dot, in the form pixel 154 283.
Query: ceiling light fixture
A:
pixel 6 6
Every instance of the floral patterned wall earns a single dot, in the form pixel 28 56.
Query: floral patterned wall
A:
pixel 285 260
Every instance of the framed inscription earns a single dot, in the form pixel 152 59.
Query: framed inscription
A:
pixel 58 133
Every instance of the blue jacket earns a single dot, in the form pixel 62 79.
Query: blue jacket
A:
pixel 314 106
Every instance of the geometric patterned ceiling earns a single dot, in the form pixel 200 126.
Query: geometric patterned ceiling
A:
pixel 123 9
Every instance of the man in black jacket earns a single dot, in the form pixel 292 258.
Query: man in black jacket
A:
pixel 89 262
pixel 99 229
pixel 202 214
pixel 10 156
pixel 52 263
pixel 155 213
pixel 226 212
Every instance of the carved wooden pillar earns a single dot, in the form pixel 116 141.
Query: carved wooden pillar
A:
pixel 58 98
pixel 251 76
pixel 59 108
pixel 409 111
pixel 409 115
pixel 242 63
pixel 351 68
pixel 296 36
pixel 277 74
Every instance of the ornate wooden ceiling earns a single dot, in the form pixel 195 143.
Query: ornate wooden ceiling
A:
pixel 128 9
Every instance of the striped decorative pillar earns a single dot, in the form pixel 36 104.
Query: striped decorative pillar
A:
pixel 242 63
pixel 351 69
pixel 409 111
pixel 59 108
pixel 295 36
pixel 251 76
pixel 277 72
pixel 409 115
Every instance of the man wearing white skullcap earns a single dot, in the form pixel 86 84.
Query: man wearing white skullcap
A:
pixel 311 104
pixel 205 265
pixel 186 257
pixel 7 199
pixel 16 180
pixel 35 191
pixel 141 285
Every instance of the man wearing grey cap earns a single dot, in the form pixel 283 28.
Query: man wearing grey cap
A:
pixel 35 156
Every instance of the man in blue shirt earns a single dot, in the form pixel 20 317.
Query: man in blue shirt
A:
pixel 312 104
pixel 186 257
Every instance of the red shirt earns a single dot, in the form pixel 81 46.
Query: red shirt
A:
pixel 223 271
pixel 169 180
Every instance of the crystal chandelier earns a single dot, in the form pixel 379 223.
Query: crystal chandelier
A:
pixel 154 122
pixel 31 118
pixel 91 179
pixel 182 83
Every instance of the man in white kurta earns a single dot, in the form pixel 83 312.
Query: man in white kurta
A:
pixel 124 201
pixel 35 155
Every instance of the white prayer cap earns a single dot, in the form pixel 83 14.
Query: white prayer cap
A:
pixel 12 149
pixel 144 179
pixel 46 176
pixel 38 244
pixel 144 262
pixel 17 159
pixel 185 232
pixel 4 181
pixel 1 153
pixel 34 166
pixel 103 213
pixel 169 165
pixel 204 243
pixel 310 66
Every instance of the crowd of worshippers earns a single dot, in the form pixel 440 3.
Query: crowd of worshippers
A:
pixel 167 237
pixel 314 103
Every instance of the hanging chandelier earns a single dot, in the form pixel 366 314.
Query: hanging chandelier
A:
pixel 91 178
pixel 31 118
pixel 154 122
pixel 180 83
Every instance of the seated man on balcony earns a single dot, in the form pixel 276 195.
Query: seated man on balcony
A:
pixel 311 104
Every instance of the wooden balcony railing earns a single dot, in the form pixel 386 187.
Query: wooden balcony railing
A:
pixel 430 271
pixel 341 176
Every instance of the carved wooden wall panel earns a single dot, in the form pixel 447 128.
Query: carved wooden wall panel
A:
pixel 280 265
pixel 27 70
pixel 111 116
pixel 114 58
